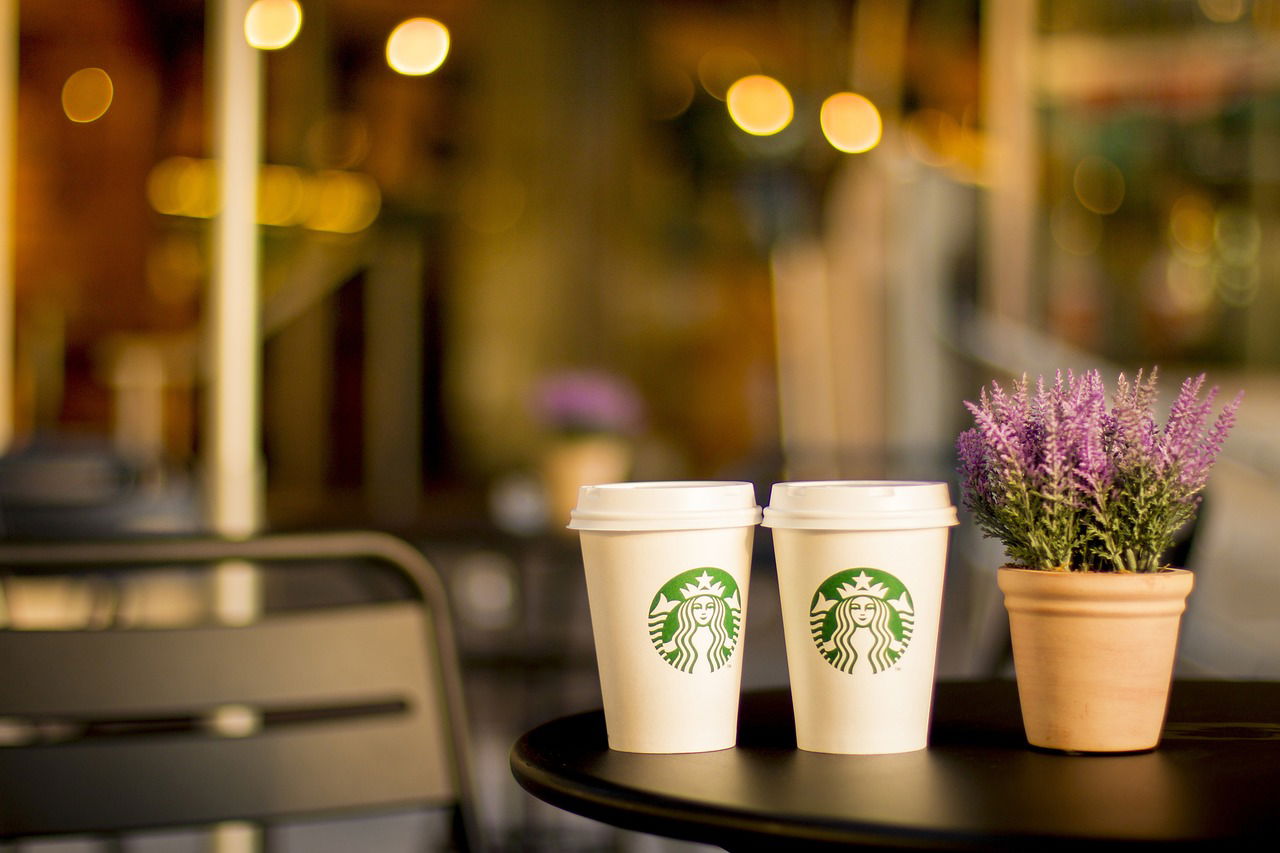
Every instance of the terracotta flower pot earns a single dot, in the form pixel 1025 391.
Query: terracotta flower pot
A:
pixel 572 462
pixel 1094 654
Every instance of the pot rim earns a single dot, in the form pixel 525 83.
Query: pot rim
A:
pixel 1109 591
pixel 1164 570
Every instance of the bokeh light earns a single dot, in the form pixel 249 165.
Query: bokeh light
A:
pixel 760 105
pixel 1099 184
pixel 87 95
pixel 335 201
pixel 672 92
pixel 1188 288
pixel 417 46
pixel 338 141
pixel 486 589
pixel 1237 235
pixel 1191 226
pixel 850 122
pixel 272 24
pixel 162 186
pixel 345 202
pixel 1236 286
pixel 720 67
pixel 183 186
pixel 283 195
pixel 1223 11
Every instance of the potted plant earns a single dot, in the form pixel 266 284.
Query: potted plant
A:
pixel 591 417
pixel 1086 499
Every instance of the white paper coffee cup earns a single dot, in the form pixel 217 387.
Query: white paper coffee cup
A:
pixel 667 568
pixel 860 575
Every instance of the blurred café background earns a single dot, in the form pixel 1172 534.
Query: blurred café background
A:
pixel 427 265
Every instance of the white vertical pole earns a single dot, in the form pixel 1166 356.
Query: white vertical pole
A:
pixel 8 144
pixel 233 475
pixel 233 478
pixel 232 469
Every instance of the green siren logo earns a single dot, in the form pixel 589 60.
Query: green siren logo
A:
pixel 861 618
pixel 695 619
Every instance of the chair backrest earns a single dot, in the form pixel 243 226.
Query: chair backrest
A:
pixel 301 712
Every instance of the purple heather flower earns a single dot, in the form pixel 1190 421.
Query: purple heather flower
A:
pixel 1199 449
pixel 1064 481
pixel 1135 431
pixel 1187 416
pixel 971 451
pixel 1048 410
pixel 1087 414
pixel 1001 439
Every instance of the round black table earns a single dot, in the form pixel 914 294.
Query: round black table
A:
pixel 1214 778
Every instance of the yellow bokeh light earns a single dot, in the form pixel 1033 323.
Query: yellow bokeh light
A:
pixel 183 186
pixel 850 122
pixel 198 188
pixel 282 195
pixel 760 105
pixel 417 46
pixel 87 95
pixel 345 202
pixel 1099 184
pixel 1223 11
pixel 272 24
pixel 1191 224
pixel 162 186
pixel 331 200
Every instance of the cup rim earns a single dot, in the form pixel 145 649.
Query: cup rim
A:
pixel 665 505
pixel 788 508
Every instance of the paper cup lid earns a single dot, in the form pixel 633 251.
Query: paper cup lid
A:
pixel 686 505
pixel 860 505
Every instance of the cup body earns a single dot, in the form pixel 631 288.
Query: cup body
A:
pixel 667 569
pixel 860 577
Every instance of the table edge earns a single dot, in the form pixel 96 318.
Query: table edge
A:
pixel 580 793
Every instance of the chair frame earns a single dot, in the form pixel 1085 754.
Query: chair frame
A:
pixel 414 567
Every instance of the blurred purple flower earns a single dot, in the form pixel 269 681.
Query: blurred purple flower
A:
pixel 587 401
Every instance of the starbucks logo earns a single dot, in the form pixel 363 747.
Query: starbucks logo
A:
pixel 695 619
pixel 860 619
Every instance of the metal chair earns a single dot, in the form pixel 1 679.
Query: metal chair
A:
pixel 324 710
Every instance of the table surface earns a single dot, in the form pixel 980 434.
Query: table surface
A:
pixel 1215 777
